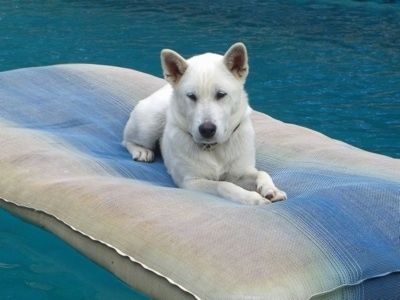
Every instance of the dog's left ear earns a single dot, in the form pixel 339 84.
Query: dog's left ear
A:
pixel 235 59
pixel 174 66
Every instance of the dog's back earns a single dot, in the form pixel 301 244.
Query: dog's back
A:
pixel 146 124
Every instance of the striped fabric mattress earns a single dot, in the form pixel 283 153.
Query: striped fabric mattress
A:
pixel 62 166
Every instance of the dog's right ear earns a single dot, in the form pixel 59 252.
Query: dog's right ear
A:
pixel 174 66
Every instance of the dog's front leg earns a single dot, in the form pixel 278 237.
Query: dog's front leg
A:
pixel 226 190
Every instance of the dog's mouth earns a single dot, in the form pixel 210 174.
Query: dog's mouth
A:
pixel 208 146
pixel 204 144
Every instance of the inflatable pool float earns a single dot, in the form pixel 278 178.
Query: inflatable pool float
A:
pixel 62 167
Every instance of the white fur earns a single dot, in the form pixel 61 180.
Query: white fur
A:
pixel 203 91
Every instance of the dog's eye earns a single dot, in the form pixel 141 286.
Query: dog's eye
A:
pixel 220 95
pixel 192 96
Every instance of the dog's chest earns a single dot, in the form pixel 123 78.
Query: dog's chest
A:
pixel 219 165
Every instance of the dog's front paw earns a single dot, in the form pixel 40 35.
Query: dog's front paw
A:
pixel 143 154
pixel 139 153
pixel 272 193
pixel 255 198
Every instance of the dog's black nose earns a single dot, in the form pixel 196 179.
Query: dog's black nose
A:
pixel 207 130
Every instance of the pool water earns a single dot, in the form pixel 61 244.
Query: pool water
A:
pixel 332 66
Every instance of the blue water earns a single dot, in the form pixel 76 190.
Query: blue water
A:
pixel 36 265
pixel 332 66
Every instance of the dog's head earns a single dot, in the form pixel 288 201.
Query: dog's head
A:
pixel 209 100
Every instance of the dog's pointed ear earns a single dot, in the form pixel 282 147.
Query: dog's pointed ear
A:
pixel 235 59
pixel 174 66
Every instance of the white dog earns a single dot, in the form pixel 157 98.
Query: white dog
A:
pixel 202 120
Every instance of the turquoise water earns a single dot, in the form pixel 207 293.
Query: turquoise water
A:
pixel 36 265
pixel 333 66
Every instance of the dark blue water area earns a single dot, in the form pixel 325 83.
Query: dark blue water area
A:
pixel 332 66
pixel 35 265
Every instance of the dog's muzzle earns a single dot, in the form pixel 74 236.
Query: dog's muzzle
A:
pixel 207 130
